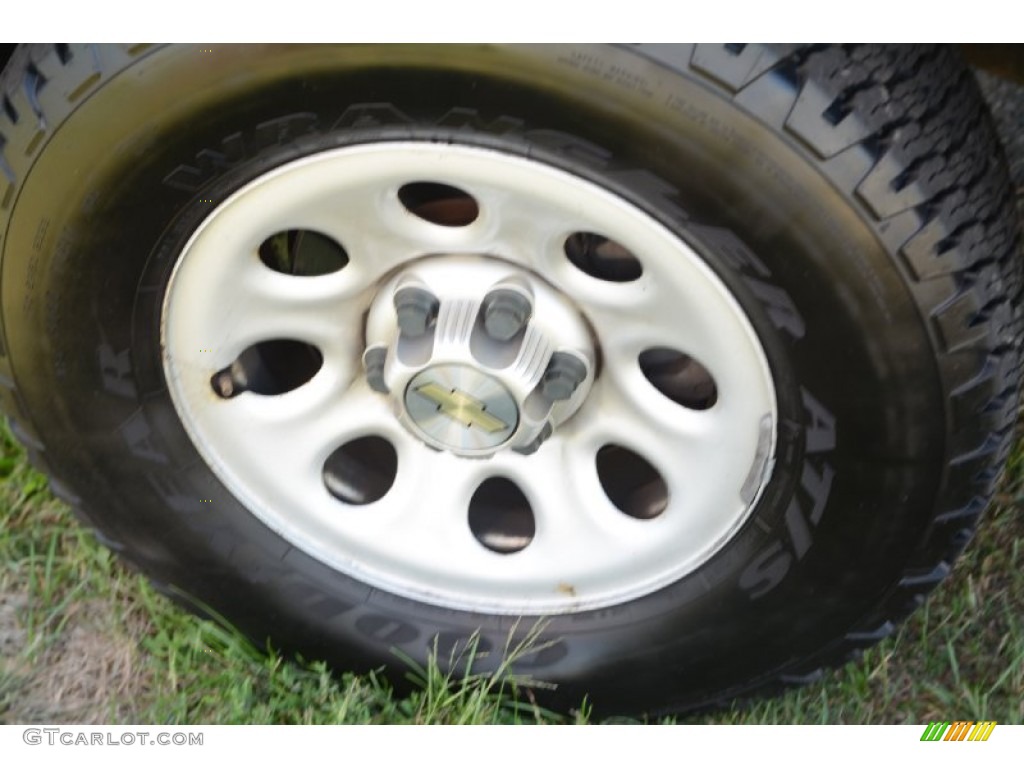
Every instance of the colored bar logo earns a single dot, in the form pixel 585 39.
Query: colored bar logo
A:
pixel 960 730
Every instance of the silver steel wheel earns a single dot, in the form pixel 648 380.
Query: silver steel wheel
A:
pixel 468 378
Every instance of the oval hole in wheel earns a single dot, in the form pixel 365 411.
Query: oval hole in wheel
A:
pixel 361 471
pixel 679 377
pixel 302 253
pixel 439 203
pixel 631 483
pixel 602 258
pixel 500 516
pixel 269 368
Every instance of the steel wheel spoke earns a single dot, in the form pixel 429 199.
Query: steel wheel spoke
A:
pixel 295 432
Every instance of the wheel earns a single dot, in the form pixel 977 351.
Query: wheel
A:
pixel 701 360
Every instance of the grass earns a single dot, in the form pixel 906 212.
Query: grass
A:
pixel 84 640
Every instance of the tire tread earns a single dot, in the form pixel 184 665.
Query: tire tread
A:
pixel 918 111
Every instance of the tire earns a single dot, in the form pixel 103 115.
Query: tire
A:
pixel 775 290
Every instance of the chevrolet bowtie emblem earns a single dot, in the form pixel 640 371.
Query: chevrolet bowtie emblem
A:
pixel 460 407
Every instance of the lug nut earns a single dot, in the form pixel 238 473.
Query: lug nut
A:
pixel 373 360
pixel 506 312
pixel 536 443
pixel 416 309
pixel 563 375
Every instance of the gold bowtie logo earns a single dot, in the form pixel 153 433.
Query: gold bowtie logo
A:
pixel 460 407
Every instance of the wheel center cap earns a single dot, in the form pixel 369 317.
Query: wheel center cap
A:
pixel 462 408
pixel 477 354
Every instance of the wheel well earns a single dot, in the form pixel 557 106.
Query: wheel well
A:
pixel 1003 60
pixel 6 51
